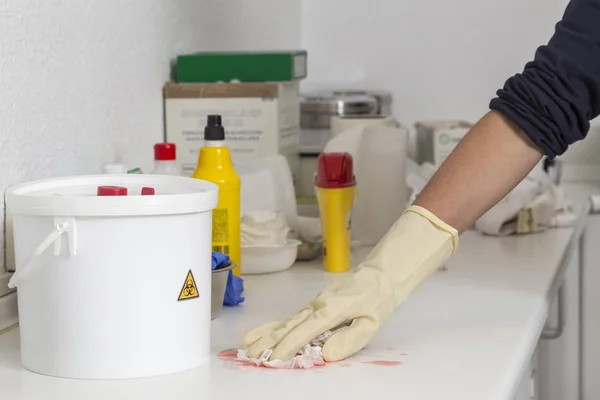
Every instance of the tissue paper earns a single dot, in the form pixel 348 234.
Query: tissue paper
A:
pixel 308 357
pixel 263 228
pixel 534 205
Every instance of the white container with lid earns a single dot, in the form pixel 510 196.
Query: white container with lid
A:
pixel 113 286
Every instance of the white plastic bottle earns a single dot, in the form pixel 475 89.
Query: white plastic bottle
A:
pixel 164 159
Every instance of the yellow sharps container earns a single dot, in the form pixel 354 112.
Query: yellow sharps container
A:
pixel 335 185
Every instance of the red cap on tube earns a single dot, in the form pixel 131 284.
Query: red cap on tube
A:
pixel 335 171
pixel 112 191
pixel 164 151
pixel 147 191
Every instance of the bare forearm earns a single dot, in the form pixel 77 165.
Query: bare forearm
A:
pixel 487 164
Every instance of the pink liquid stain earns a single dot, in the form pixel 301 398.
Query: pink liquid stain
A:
pixel 391 348
pixel 403 354
pixel 345 365
pixel 228 355
pixel 383 363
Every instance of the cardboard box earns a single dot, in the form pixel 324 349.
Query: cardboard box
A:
pixel 272 66
pixel 437 139
pixel 260 119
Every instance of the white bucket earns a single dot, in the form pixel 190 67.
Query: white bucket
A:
pixel 103 282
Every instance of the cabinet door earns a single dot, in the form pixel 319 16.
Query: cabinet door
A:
pixel 529 387
pixel 559 358
pixel 591 310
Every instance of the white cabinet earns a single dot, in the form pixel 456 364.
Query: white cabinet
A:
pixel 529 387
pixel 591 310
pixel 559 357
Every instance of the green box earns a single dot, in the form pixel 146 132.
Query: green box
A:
pixel 275 66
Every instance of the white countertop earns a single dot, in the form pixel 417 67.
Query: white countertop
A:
pixel 466 334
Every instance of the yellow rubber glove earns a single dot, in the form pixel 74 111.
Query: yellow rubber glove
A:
pixel 358 305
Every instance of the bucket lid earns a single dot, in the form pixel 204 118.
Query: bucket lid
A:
pixel 77 196
pixel 335 171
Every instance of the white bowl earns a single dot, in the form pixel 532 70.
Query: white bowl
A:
pixel 269 259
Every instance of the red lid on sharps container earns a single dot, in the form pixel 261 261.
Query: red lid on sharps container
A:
pixel 112 191
pixel 335 171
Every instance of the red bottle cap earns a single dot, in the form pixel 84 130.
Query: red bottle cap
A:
pixel 164 151
pixel 147 191
pixel 335 171
pixel 112 191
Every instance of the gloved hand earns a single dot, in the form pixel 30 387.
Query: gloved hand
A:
pixel 358 305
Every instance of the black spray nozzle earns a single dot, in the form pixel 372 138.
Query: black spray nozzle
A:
pixel 214 129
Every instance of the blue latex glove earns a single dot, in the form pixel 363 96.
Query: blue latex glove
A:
pixel 220 261
pixel 235 284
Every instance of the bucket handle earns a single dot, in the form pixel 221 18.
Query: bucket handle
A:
pixel 61 226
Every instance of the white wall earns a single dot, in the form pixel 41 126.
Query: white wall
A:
pixel 80 81
pixel 253 25
pixel 440 58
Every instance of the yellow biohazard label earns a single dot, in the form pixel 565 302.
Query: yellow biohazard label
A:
pixel 189 289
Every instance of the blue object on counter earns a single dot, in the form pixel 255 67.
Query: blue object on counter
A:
pixel 235 284
pixel 220 260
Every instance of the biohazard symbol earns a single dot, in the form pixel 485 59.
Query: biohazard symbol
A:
pixel 189 289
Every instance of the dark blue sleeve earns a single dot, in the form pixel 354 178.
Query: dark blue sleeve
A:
pixel 558 93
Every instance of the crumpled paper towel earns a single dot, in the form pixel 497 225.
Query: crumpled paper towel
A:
pixel 308 357
pixel 534 205
pixel 263 228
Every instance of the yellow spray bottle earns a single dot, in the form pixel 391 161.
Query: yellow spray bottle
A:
pixel 335 185
pixel 214 165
